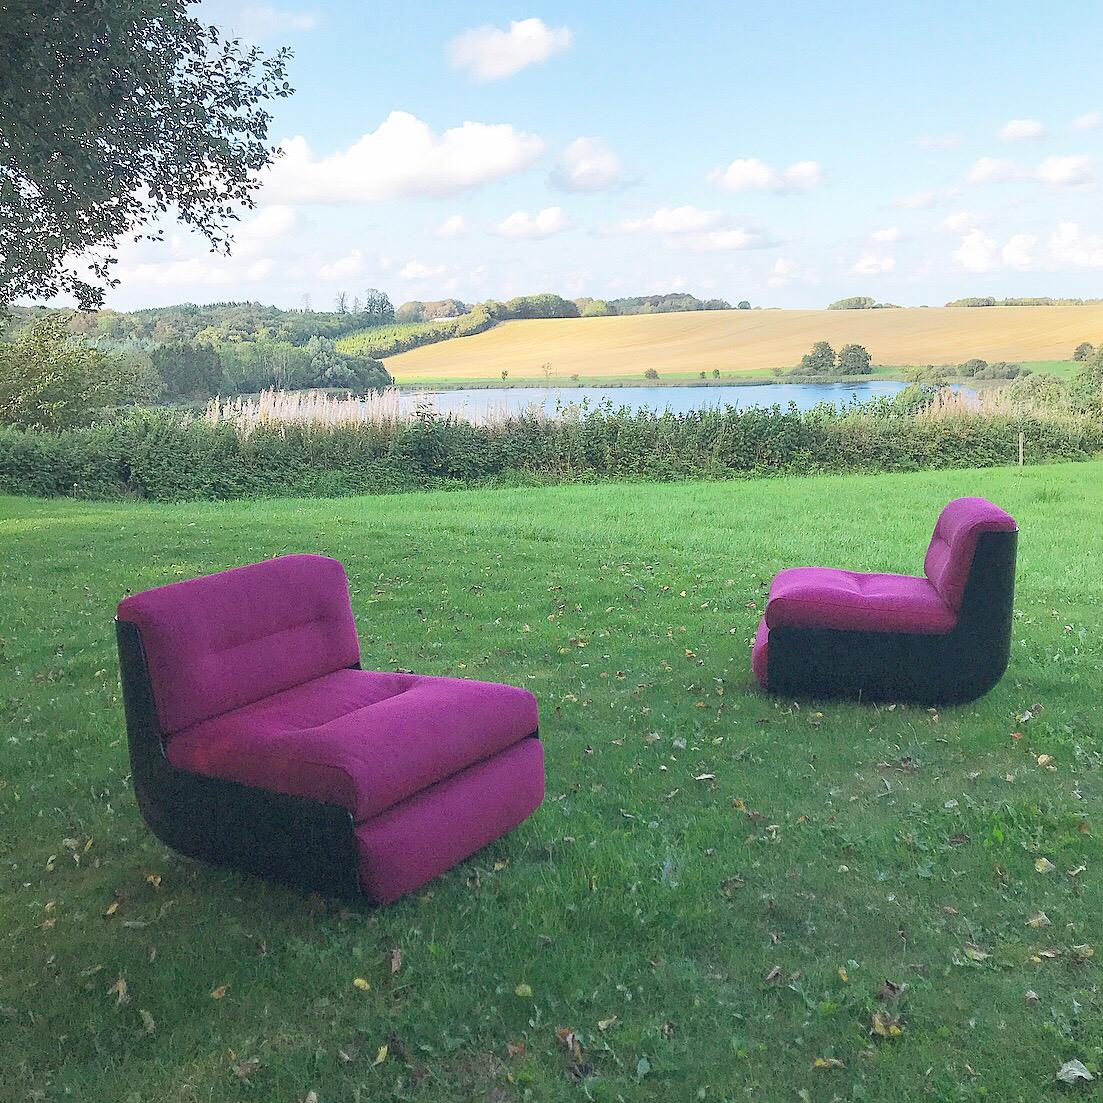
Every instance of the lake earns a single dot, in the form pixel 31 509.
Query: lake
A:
pixel 678 400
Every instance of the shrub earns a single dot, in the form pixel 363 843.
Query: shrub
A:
pixel 853 360
pixel 651 373
pixel 820 361
pixel 1084 351
pixel 167 456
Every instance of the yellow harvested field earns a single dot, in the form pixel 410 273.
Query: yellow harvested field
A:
pixel 749 340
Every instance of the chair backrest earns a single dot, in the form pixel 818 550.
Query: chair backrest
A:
pixel 225 640
pixel 950 554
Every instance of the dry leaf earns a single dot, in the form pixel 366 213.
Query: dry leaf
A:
pixel 890 991
pixel 147 1020
pixel 605 1024
pixel 975 953
pixel 154 879
pixel 1044 865
pixel 380 1057
pixel 843 975
pixel 396 959
pixel 118 990
pixel 1038 919
pixel 112 908
pixel 523 990
pixel 827 1063
pixel 244 1069
pixel 362 984
pixel 1031 996
pixel 773 976
pixel 883 1025
pixel 219 992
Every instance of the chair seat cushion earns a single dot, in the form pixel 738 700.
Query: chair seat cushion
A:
pixel 362 740
pixel 821 597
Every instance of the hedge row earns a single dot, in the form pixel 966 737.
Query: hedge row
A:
pixel 169 457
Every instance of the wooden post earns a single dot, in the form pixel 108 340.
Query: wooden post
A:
pixel 1022 441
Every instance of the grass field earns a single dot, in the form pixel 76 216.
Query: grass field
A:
pixel 717 888
pixel 737 341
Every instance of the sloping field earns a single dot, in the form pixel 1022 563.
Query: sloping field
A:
pixel 747 341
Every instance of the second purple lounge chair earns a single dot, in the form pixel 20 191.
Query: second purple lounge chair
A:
pixel 256 740
pixel 937 639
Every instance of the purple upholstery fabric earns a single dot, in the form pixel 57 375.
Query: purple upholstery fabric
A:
pixel 760 653
pixel 820 597
pixel 363 740
pixel 950 554
pixel 422 837
pixel 226 640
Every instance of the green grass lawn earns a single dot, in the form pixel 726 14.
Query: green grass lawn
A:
pixel 721 889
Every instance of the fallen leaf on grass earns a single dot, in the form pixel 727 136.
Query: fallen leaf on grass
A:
pixel 975 953
pixel 111 908
pixel 604 1024
pixel 773 976
pixel 147 1021
pixel 1072 1071
pixel 890 991
pixel 1044 865
pixel 827 1063
pixel 515 1049
pixel 883 1025
pixel 523 990
pixel 567 1038
pixel 396 959
pixel 380 1057
pixel 154 879
pixel 310 1097
pixel 244 1069
pixel 1038 919
pixel 362 984
pixel 843 975
pixel 219 992
pixel 1031 996
pixel 118 990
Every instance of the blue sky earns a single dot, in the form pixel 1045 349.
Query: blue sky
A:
pixel 788 154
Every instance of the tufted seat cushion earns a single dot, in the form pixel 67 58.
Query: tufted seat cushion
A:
pixel 362 740
pixel 822 597
pixel 950 553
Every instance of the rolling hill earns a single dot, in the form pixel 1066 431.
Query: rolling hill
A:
pixel 746 341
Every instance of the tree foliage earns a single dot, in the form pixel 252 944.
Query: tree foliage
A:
pixel 112 115
pixel 819 361
pixel 853 360
pixel 51 380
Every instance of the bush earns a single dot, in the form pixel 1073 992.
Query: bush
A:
pixel 167 456
pixel 820 361
pixel 1083 351
pixel 651 373
pixel 853 360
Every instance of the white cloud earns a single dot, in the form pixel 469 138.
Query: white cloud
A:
pixel 343 268
pixel 918 200
pixel 1090 121
pixel 587 164
pixel 415 270
pixel 750 173
pixel 269 222
pixel 1073 171
pixel 977 252
pixel 886 235
pixel 195 272
pixel 261 22
pixel 671 220
pixel 786 271
pixel 402 158
pixel 721 241
pixel 1068 246
pixel 870 264
pixel 454 225
pixel 991 169
pixel 1021 130
pixel 490 53
pixel 938 141
pixel 1018 251
pixel 551 220
pixel 959 222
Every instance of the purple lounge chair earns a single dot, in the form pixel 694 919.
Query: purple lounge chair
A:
pixel 940 639
pixel 256 741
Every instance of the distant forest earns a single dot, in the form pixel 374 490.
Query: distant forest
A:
pixel 189 353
